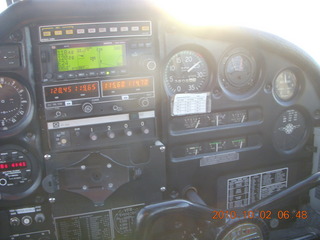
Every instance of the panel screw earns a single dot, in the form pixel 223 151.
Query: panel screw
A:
pixel 163 189
pixel 47 156
pixel 83 167
pixel 268 87
pixel 174 194
pixel 162 148
pixel 274 223
pixel 217 92
pixel 84 187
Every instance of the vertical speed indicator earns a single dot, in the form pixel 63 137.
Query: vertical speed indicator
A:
pixel 186 72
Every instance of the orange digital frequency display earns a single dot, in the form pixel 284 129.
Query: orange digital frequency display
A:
pixel 125 84
pixel 71 91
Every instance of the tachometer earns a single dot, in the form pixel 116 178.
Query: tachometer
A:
pixel 15 104
pixel 186 72
pixel 285 85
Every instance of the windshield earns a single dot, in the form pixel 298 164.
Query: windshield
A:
pixel 293 20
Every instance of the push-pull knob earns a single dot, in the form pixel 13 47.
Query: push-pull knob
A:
pixel 111 134
pixel 128 132
pixel 145 130
pixel 93 136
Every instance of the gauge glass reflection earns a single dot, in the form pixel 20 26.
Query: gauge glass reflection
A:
pixel 285 85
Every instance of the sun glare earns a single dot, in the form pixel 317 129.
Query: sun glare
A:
pixel 293 20
pixel 3 5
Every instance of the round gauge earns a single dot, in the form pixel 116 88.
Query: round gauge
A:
pixel 19 172
pixel 285 85
pixel 186 72
pixel 290 130
pixel 245 230
pixel 15 104
pixel 238 71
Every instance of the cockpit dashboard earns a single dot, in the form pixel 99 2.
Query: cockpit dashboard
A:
pixel 113 113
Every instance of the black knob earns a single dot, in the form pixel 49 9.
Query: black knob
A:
pixel 87 107
pixel 26 220
pixel 39 218
pixel 144 102
pixel 151 65
pixel 3 182
pixel 148 63
pixel 14 222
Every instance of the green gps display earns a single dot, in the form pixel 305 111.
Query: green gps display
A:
pixel 83 58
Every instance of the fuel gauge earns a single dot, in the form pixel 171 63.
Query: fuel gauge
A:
pixel 193 149
pixel 238 143
pixel 192 122
pixel 218 146
pixel 220 119
pixel 240 116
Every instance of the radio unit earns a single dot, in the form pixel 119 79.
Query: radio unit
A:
pixel 101 49
pixel 98 97
pixel 87 60
pixel 98 83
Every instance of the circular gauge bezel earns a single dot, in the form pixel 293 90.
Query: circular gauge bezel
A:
pixel 244 90
pixel 27 115
pixel 299 85
pixel 21 191
pixel 202 54
pixel 233 226
pixel 305 136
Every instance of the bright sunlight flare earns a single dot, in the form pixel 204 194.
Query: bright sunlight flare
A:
pixel 296 21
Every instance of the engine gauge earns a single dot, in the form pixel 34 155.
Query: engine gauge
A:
pixel 239 116
pixel 238 143
pixel 186 72
pixel 245 230
pixel 285 85
pixel 238 72
pixel 217 146
pixel 289 131
pixel 15 105
pixel 191 122
pixel 193 149
pixel 219 119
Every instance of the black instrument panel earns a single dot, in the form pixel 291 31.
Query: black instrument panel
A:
pixel 192 108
